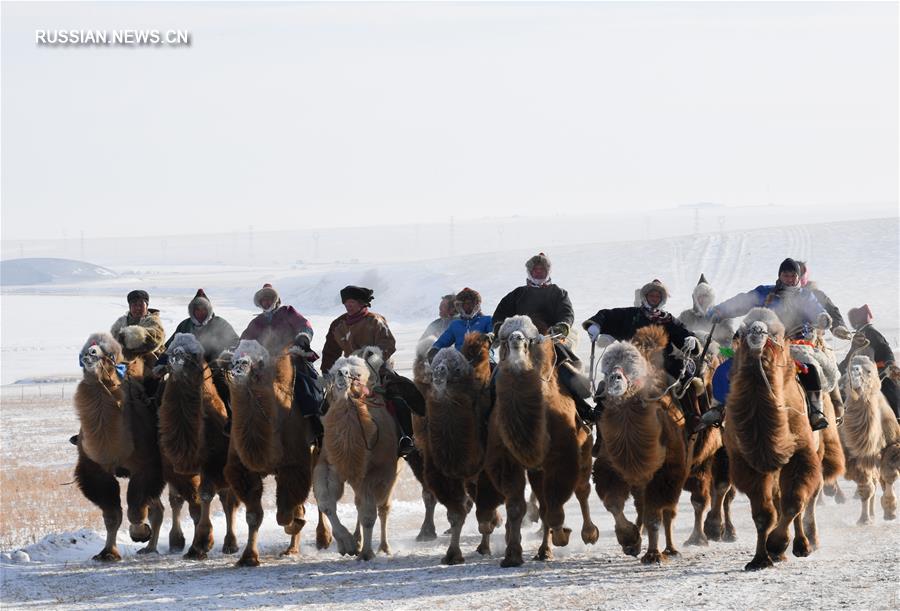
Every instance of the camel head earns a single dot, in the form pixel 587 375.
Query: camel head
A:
pixel 350 377
pixel 625 370
pixel 100 355
pixel 421 366
pixel 248 362
pixel 185 354
pixel 519 337
pixel 863 376
pixel 760 328
pixel 476 347
pixel 449 367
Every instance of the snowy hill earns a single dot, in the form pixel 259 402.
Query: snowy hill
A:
pixel 49 270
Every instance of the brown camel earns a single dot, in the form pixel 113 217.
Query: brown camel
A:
pixel 644 451
pixel 193 441
pixel 415 460
pixel 533 428
pixel 118 438
pixel 452 445
pixel 771 449
pixel 359 448
pixel 267 437
pixel 871 439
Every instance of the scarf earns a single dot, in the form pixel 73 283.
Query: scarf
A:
pixel 656 316
pixel 355 318
pixel 538 284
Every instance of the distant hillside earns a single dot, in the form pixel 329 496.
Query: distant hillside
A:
pixel 44 271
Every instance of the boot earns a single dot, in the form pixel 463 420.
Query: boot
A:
pixel 406 446
pixel 714 415
pixel 74 440
pixel 838 403
pixel 598 412
pixel 692 420
pixel 404 422
pixel 817 419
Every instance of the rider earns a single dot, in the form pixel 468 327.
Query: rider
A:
pixel 799 312
pixel 446 315
pixel 550 309
pixel 622 323
pixel 867 341
pixel 358 328
pixel 838 326
pixel 704 297
pixel 468 307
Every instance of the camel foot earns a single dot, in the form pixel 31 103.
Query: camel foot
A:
pixel 590 534
pixel 453 556
pixel 778 557
pixel 759 562
pixel 148 550
pixel 730 535
pixel 512 560
pixel 449 531
pixel 839 497
pixel 544 554
pixel 176 542
pixel 890 515
pixel 864 521
pixel 195 554
pixel 347 546
pixel 291 551
pixel 140 533
pixel 713 530
pixel 776 545
pixel 110 554
pixel 294 527
pixel 385 548
pixel 801 548
pixel 248 559
pixel 230 545
pixel 366 555
pixel 323 538
pixel 630 539
pixel 560 536
pixel 653 557
pixel 426 533
pixel 697 538
pixel 484 549
pixel 670 552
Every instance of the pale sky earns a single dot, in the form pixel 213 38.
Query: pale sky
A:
pixel 285 116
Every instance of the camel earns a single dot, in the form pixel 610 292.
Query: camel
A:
pixel 267 437
pixel 534 428
pixel 422 380
pixel 452 444
pixel 118 438
pixel 193 442
pixel 871 439
pixel 359 448
pixel 644 451
pixel 771 448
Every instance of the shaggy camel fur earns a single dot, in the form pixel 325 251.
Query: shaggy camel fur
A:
pixel 422 380
pixel 118 438
pixel 871 439
pixel 643 450
pixel 453 441
pixel 534 428
pixel 359 448
pixel 771 449
pixel 193 442
pixel 267 437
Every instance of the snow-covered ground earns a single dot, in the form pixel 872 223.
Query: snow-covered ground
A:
pixel 43 327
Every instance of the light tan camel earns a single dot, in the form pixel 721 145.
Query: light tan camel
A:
pixel 359 448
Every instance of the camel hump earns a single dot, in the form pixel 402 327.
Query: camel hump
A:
pixel 476 347
pixel 650 339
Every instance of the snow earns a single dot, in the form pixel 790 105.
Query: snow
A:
pixel 43 327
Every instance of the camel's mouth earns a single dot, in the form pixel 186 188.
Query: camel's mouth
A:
pixel 440 375
pixel 757 336
pixel 616 383
pixel 241 368
pixel 857 377
pixel 92 357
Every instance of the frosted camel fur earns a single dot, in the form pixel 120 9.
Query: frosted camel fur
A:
pixel 267 437
pixel 193 443
pixel 452 443
pixel 773 455
pixel 118 438
pixel 359 448
pixel 644 451
pixel 871 439
pixel 534 429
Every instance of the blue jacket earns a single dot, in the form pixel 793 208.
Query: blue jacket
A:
pixel 456 332
pixel 798 309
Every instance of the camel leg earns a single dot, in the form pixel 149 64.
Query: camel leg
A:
pixel 143 493
pixel 155 515
pixel 534 510
pixel 730 533
pixel 487 499
pixel 323 532
pixel 512 485
pixel 230 505
pixel 203 528
pixel 367 512
pixel 558 485
pixel 839 497
pixel 328 489
pixel 888 499
pixel 589 531
pixel 248 487
pixel 660 500
pixel 699 487
pixel 176 534
pixel 865 491
pixel 652 520
pixel 383 511
pixel 292 484
pixel 536 479
pixel 668 524
pixel 427 532
pixel 758 488
pixel 800 483
pixel 102 489
pixel 613 491
pixel 451 493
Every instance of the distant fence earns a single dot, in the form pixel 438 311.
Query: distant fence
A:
pixel 11 392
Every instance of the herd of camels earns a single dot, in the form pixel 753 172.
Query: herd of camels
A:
pixel 480 444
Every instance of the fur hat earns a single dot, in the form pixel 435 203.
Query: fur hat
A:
pixel 789 265
pixel 804 273
pixel 266 291
pixel 200 300
pixel 138 295
pixel 860 316
pixel 703 291
pixel 655 285
pixel 359 293
pixel 468 294
pixel 538 259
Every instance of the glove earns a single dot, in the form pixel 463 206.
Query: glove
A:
pixel 823 321
pixel 604 340
pixel 432 352
pixel 302 341
pixel 841 332
pixel 859 341
pixel 713 315
pixel 560 328
pixel 691 345
pixel 593 332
